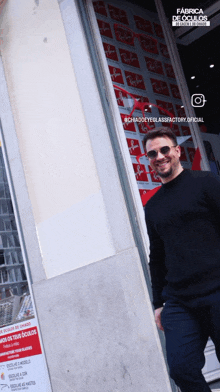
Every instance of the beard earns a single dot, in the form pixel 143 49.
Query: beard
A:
pixel 165 174
pixel 169 173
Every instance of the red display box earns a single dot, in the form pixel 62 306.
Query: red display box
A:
pixel 104 28
pixel 135 80
pixel 154 65
pixel 129 58
pixel 110 51
pixel 134 147
pixel 140 172
pixel 116 75
pixel 159 87
pixel 99 7
pixel 143 24
pixel 118 14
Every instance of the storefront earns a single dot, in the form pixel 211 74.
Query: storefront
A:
pixel 81 82
pixel 142 59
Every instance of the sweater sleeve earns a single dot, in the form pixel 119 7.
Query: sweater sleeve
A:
pixel 157 264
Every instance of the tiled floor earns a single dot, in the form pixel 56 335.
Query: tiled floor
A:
pixel 215 385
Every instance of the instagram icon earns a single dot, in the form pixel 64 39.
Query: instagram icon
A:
pixel 198 100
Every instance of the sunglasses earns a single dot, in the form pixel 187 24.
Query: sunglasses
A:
pixel 165 150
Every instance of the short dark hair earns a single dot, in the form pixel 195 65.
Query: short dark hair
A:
pixel 159 132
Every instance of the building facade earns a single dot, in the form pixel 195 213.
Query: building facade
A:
pixel 74 183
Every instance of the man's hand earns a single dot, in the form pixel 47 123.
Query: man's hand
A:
pixel 157 315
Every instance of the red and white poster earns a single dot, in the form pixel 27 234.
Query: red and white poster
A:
pixel 22 363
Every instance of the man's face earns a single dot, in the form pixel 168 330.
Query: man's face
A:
pixel 166 166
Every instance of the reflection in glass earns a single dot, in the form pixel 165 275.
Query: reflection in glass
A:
pixel 15 299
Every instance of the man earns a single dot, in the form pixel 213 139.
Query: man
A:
pixel 183 223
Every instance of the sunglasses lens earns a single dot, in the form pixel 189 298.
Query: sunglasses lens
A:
pixel 165 150
pixel 152 154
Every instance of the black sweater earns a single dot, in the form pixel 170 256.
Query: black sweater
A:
pixel 183 222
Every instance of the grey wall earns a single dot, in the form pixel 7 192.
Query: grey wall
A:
pixel 98 330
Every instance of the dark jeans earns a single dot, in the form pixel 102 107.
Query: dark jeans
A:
pixel 187 331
